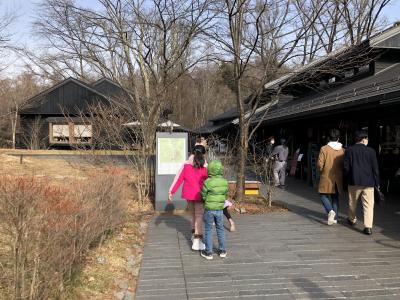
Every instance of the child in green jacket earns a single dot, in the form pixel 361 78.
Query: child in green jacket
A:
pixel 214 193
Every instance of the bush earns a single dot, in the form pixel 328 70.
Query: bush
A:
pixel 45 229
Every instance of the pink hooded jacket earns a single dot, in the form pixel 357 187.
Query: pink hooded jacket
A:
pixel 192 179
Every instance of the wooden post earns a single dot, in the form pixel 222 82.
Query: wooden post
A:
pixel 50 133
pixel 71 133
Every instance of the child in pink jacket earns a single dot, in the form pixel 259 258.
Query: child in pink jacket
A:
pixel 192 175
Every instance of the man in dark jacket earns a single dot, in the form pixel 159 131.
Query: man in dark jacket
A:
pixel 362 175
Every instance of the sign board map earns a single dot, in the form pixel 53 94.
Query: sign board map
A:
pixel 171 155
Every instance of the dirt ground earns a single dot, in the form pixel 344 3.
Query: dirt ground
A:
pixel 256 206
pixel 111 268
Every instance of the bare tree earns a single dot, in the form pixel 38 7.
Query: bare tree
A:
pixel 6 19
pixel 148 46
pixel 14 92
pixel 32 137
pixel 266 38
pixel 263 169
pixel 111 128
pixel 199 95
pixel 362 18
pixel 145 47
pixel 268 33
pixel 338 23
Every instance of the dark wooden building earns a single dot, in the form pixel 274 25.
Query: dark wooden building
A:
pixel 53 118
pixel 350 89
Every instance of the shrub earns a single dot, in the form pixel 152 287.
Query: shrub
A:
pixel 45 229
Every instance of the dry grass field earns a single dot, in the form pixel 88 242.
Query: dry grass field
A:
pixel 55 164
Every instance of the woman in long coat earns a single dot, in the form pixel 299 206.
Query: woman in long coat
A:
pixel 330 165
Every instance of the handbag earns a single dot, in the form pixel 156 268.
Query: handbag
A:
pixel 379 196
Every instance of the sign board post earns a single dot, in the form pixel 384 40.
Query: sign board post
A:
pixel 171 153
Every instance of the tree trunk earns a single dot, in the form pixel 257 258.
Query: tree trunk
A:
pixel 14 120
pixel 242 157
pixel 243 143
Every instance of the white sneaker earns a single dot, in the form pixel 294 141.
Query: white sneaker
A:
pixel 222 254
pixel 331 217
pixel 198 245
pixel 202 246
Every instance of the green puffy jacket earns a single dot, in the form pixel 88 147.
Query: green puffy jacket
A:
pixel 215 187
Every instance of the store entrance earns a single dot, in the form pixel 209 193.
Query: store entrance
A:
pixel 389 155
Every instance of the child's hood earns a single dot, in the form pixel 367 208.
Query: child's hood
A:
pixel 215 168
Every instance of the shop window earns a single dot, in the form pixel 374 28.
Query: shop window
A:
pixel 70 133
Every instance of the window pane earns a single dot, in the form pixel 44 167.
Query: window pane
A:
pixel 83 131
pixel 60 130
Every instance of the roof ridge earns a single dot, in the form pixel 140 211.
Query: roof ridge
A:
pixel 104 78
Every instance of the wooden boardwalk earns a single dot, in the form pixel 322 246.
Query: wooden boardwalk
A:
pixel 292 255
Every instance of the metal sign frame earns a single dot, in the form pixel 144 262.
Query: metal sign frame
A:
pixel 163 181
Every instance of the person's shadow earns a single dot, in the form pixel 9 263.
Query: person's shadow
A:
pixel 180 223
pixel 311 288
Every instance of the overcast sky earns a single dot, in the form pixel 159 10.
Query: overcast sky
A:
pixel 27 12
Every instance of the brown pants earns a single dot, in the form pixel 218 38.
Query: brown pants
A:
pixel 367 198
pixel 196 209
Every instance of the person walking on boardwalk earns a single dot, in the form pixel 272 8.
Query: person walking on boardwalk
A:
pixel 280 153
pixel 213 193
pixel 330 165
pixel 361 172
pixel 192 175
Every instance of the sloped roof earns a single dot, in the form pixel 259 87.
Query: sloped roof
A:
pixel 211 128
pixel 37 99
pixel 229 114
pixel 388 38
pixel 108 87
pixel 103 79
pixel 351 94
pixel 376 41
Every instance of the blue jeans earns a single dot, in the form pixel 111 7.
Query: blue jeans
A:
pixel 209 217
pixel 330 202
